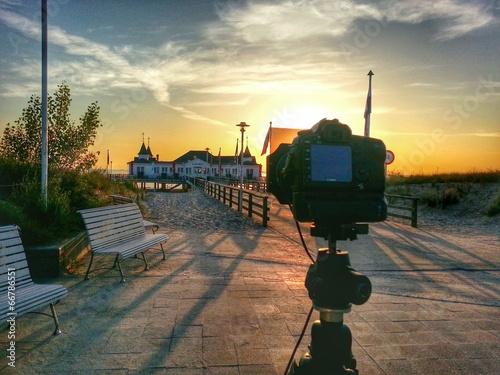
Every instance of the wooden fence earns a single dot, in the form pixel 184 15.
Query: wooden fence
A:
pixel 398 203
pixel 255 204
pixel 255 185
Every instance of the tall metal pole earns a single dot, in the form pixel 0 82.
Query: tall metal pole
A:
pixel 368 106
pixel 242 126
pixel 45 157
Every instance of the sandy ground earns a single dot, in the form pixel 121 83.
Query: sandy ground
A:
pixel 451 256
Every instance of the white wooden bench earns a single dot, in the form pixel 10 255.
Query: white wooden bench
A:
pixel 119 230
pixel 118 199
pixel 19 295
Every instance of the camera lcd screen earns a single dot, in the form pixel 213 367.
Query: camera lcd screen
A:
pixel 331 163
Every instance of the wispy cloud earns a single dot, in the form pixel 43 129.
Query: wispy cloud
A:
pixel 252 48
pixel 291 20
pixel 456 18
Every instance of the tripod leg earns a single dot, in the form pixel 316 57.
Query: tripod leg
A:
pixel 329 353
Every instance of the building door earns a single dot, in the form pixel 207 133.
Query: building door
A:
pixel 140 172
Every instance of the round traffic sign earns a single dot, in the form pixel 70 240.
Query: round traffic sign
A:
pixel 389 157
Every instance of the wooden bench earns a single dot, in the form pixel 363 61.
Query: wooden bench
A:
pixel 19 295
pixel 118 199
pixel 119 230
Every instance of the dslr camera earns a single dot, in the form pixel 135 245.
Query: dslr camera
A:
pixel 329 176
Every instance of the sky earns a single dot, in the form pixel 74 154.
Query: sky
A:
pixel 181 74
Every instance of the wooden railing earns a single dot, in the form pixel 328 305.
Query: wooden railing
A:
pixel 397 203
pixel 255 204
pixel 255 185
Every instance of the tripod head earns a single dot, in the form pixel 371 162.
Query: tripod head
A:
pixel 332 283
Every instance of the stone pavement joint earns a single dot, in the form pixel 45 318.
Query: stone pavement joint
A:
pixel 234 303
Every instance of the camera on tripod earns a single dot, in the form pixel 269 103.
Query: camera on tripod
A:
pixel 329 176
pixel 335 180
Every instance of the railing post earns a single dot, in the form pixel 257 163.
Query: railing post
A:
pixel 240 197
pixel 265 210
pixel 250 204
pixel 414 212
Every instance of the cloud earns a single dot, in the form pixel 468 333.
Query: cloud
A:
pixel 287 21
pixel 250 49
pixel 453 18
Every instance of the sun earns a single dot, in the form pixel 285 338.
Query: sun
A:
pixel 300 116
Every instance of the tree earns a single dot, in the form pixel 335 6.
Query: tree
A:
pixel 68 143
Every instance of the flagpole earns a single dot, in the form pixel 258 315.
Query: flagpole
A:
pixel 368 107
pixel 44 132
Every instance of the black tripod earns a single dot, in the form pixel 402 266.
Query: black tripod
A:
pixel 333 287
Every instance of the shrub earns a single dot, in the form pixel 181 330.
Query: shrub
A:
pixel 494 208
pixel 430 197
pixel 451 196
pixel 68 191
pixel 40 224
pixel 398 190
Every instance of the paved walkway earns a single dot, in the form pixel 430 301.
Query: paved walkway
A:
pixel 232 301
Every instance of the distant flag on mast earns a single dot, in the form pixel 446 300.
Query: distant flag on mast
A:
pixel 107 159
pixel 368 106
pixel 267 140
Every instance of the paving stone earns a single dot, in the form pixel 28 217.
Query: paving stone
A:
pixel 222 304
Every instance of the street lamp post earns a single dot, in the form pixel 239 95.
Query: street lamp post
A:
pixel 242 126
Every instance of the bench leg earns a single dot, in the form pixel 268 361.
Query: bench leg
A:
pixel 56 320
pixel 145 262
pixel 163 251
pixel 90 265
pixel 118 263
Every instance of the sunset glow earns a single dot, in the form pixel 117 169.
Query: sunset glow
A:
pixel 185 72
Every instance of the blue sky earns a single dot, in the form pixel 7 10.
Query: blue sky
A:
pixel 185 72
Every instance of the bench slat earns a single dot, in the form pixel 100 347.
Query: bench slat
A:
pixel 117 199
pixel 119 230
pixel 29 296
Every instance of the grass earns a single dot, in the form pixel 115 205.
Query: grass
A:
pixel 68 192
pixel 477 177
pixel 494 208
pixel 444 189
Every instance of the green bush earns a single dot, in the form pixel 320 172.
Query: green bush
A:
pixel 398 190
pixel 40 224
pixel 430 197
pixel 450 196
pixel 494 208
pixel 68 191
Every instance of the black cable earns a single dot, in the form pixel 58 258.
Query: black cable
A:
pixel 302 237
pixel 311 310
pixel 299 341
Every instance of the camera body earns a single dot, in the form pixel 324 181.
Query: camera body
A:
pixel 329 176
